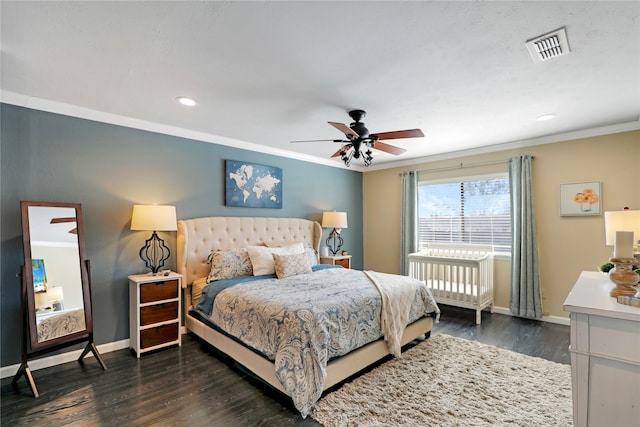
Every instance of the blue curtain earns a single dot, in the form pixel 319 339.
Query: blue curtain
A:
pixel 408 219
pixel 526 298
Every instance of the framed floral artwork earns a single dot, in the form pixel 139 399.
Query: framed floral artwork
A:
pixel 580 198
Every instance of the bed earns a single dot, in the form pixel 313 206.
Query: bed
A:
pixel 58 323
pixel 299 366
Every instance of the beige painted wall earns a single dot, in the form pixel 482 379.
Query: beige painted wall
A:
pixel 566 245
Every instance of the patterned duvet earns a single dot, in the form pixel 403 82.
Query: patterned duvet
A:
pixel 301 322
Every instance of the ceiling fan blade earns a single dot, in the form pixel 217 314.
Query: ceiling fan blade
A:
pixel 409 133
pixel 318 140
pixel 343 148
pixel 62 220
pixel 73 230
pixel 344 129
pixel 391 149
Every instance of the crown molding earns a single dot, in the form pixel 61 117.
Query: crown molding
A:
pixel 549 139
pixel 49 106
pixel 41 104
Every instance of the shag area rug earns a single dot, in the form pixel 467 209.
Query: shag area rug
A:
pixel 449 381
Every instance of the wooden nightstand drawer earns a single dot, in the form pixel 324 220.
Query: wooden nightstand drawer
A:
pixel 158 291
pixel 158 335
pixel 158 313
pixel 342 262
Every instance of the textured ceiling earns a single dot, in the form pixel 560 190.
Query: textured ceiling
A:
pixel 268 73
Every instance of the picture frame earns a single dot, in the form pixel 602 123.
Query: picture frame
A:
pixel 581 198
pixel 252 185
pixel 39 275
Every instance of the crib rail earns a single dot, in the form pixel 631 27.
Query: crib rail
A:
pixel 457 274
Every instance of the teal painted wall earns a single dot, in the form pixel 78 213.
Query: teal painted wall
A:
pixel 108 169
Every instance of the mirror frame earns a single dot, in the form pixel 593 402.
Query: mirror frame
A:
pixel 30 308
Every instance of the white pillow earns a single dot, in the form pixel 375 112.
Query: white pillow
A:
pixel 262 257
pixel 312 254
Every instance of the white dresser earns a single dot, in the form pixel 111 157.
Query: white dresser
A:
pixel 605 355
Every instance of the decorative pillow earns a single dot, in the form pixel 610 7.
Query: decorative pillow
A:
pixel 290 265
pixel 229 264
pixel 262 257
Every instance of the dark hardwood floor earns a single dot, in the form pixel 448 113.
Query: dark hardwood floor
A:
pixel 192 386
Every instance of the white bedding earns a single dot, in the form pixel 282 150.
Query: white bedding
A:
pixel 397 293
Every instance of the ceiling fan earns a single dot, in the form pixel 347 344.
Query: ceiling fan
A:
pixel 74 230
pixel 357 138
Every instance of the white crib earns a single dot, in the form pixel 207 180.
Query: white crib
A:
pixel 458 274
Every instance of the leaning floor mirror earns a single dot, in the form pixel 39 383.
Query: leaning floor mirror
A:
pixel 56 286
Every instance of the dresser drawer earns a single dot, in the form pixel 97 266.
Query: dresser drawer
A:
pixel 158 291
pixel 158 335
pixel 158 313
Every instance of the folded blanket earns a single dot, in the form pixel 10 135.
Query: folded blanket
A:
pixel 398 293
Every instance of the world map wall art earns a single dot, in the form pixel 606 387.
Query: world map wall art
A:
pixel 251 185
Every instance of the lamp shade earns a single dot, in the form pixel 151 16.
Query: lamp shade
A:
pixel 41 299
pixel 154 218
pixel 54 293
pixel 334 220
pixel 626 220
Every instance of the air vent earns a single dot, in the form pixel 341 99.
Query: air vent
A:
pixel 548 46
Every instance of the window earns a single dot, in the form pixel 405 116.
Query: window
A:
pixel 474 210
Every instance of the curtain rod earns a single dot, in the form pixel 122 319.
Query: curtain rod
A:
pixel 462 166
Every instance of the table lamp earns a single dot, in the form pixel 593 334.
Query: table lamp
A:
pixel 56 296
pixel 154 218
pixel 624 220
pixel 622 229
pixel 337 221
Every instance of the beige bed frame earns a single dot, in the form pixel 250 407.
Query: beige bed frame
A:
pixel 198 236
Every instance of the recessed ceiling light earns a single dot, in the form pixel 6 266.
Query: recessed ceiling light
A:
pixel 545 117
pixel 189 102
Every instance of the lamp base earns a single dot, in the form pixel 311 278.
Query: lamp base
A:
pixel 623 276
pixel 334 241
pixel 154 253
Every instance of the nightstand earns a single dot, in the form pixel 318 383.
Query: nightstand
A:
pixel 154 311
pixel 342 260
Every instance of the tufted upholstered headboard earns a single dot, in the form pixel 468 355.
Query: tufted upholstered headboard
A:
pixel 197 237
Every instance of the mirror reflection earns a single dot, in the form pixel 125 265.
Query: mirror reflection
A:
pixel 57 281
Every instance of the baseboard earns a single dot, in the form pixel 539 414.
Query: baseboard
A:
pixel 58 359
pixel 550 319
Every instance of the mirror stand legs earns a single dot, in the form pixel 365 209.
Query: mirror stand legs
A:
pixel 24 367
pixel 24 370
pixel 91 347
